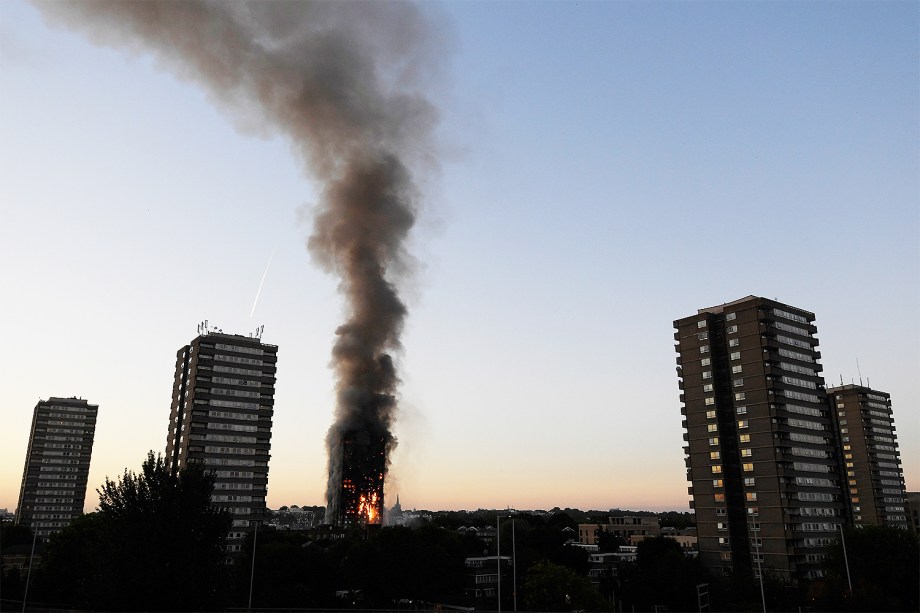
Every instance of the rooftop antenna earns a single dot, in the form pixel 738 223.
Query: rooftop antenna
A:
pixel 859 371
pixel 841 379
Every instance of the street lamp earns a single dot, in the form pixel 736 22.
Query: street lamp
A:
pixel 498 560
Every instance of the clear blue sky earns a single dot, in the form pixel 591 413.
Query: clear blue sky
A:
pixel 607 167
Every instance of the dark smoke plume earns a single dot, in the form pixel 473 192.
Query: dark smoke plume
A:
pixel 344 81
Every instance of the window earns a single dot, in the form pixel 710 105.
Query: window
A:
pixel 707 374
pixel 739 396
pixel 717 483
pixel 701 324
pixel 702 336
pixel 745 438
pixel 721 526
pixel 735 355
pixel 738 382
pixel 734 342
pixel 742 423
pixel 705 362
pixel 747 467
pixel 741 410
pixel 714 441
pixel 736 369
pixel 749 481
pixel 712 428
pixel 745 453
pixel 704 348
pixel 710 401
pixel 720 512
pixel 707 387
pixel 732 329
pixel 711 414
pixel 719 497
pixel 751 496
pixel 730 316
pixel 716 469
pixel 714 455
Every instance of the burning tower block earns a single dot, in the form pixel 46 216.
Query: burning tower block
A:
pixel 359 500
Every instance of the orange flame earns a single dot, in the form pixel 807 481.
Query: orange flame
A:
pixel 367 508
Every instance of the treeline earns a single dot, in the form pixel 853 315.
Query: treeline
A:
pixel 157 544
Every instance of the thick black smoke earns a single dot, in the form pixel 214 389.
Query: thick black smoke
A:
pixel 345 82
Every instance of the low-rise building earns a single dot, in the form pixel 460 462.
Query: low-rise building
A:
pixel 621 527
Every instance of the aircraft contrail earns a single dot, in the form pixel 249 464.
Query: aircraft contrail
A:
pixel 262 282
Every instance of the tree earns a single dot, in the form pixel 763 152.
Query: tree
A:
pixel 663 575
pixel 156 543
pixel 550 587
pixel 884 567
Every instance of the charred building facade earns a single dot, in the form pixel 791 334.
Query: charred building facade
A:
pixel 221 416
pixel 761 448
pixel 869 446
pixel 359 499
pixel 54 479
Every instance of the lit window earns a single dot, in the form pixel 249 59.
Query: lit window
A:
pixel 742 423
pixel 739 396
pixel 716 469
pixel 719 497
pixel 710 414
pixel 707 374
pixel 844 431
pixel 721 526
pixel 751 496
pixel 707 387
pixel 714 441
pixel 747 467
pixel 717 483
pixel 735 355
pixel 701 324
pixel 741 410
pixel 736 369
pixel 712 428
pixel 732 329
pixel 704 348
pixel 734 342
pixel 745 438
pixel 749 481
pixel 709 401
pixel 745 453
pixel 730 316
pixel 705 362
pixel 738 382
pixel 714 455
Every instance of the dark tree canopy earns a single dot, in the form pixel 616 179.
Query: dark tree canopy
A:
pixel 884 569
pixel 156 543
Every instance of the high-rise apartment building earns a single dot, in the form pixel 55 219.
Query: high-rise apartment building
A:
pixel 53 489
pixel 761 450
pixel 872 463
pixel 221 416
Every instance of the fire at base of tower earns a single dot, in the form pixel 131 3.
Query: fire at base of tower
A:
pixel 359 500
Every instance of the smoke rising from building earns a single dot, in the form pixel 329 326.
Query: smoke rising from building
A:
pixel 345 82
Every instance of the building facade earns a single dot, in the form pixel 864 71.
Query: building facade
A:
pixel 53 489
pixel 221 416
pixel 760 447
pixel 620 527
pixel 872 463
